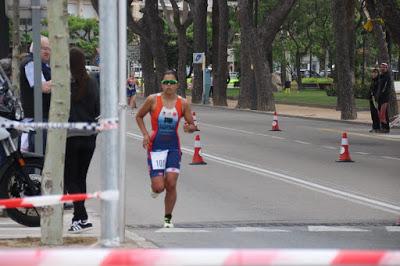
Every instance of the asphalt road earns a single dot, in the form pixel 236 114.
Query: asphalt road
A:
pixel 263 189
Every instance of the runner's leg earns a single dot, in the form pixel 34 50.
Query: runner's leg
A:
pixel 157 184
pixel 171 195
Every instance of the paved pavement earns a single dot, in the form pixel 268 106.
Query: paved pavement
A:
pixel 10 230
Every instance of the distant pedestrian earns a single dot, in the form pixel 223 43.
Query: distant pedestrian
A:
pixel 27 90
pixel 131 90
pixel 383 97
pixel 373 101
pixel 85 107
pixel 163 145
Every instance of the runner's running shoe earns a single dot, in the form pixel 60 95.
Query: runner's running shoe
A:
pixel 154 194
pixel 167 223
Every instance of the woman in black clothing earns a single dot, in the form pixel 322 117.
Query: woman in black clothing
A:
pixel 85 107
pixel 373 101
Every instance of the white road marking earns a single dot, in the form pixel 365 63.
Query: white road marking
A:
pixel 362 153
pixel 376 204
pixel 232 129
pixel 258 229
pixel 335 229
pixel 140 241
pixel 393 228
pixel 181 230
pixel 329 147
pixel 276 137
pixel 302 142
pixel 391 158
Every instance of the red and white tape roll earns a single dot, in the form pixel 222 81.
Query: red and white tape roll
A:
pixel 210 257
pixel 102 125
pixel 39 201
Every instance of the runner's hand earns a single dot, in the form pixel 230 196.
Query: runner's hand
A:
pixel 146 141
pixel 189 128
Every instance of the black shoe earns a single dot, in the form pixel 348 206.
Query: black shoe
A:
pixel 374 130
pixel 80 226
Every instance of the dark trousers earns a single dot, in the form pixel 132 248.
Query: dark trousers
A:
pixel 78 154
pixel 376 124
pixel 386 125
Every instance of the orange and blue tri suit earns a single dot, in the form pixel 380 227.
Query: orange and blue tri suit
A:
pixel 164 135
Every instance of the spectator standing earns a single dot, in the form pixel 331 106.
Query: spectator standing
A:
pixel 27 89
pixel 373 101
pixel 383 97
pixel 80 146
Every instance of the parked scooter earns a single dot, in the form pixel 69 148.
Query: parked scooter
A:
pixel 20 173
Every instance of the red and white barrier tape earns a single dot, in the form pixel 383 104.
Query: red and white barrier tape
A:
pixel 39 201
pixel 102 125
pixel 210 257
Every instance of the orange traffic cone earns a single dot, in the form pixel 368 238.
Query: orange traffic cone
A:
pixel 197 159
pixel 344 150
pixel 195 121
pixel 275 124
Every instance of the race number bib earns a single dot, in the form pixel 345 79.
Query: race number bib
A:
pixel 158 159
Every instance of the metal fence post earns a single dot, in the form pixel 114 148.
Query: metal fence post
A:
pixel 122 114
pixel 37 63
pixel 109 108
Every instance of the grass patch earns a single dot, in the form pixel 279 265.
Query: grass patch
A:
pixel 317 80
pixel 313 98
pixel 308 97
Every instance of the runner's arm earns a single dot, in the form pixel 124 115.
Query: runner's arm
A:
pixel 189 126
pixel 144 109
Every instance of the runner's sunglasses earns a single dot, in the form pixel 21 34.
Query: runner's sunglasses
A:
pixel 169 81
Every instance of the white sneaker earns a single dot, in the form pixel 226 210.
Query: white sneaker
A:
pixel 168 224
pixel 154 194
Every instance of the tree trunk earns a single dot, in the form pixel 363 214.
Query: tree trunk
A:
pixel 4 31
pixel 214 44
pixel 155 25
pixel 183 50
pixel 16 49
pixel 343 17
pixel 149 76
pixel 391 16
pixel 53 172
pixel 181 23
pixel 298 72
pixel 199 9
pixel 222 67
pixel 248 93
pixel 265 97
pixel 262 39
pixel 384 55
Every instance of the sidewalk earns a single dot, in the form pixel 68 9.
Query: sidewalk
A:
pixel 14 235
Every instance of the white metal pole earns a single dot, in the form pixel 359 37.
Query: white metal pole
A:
pixel 37 62
pixel 203 65
pixel 122 113
pixel 109 108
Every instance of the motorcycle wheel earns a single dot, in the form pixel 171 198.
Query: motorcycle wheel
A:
pixel 12 186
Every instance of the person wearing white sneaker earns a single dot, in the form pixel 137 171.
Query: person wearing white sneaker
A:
pixel 163 145
pixel 80 146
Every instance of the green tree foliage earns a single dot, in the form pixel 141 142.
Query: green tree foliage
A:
pixel 84 33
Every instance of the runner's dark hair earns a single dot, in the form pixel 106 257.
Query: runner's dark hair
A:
pixel 171 72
